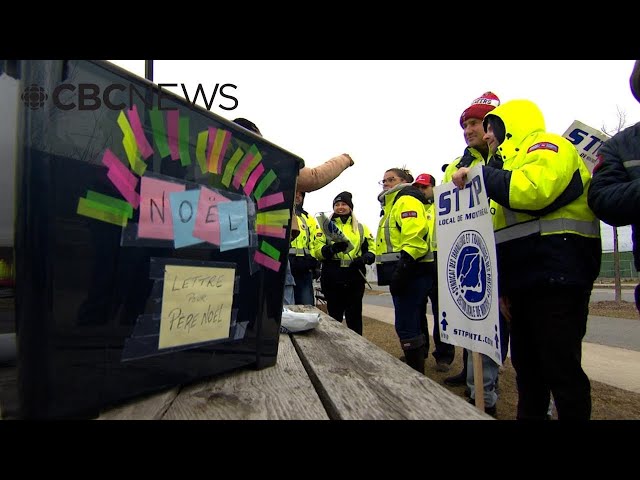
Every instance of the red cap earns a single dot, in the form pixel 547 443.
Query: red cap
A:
pixel 426 180
pixel 480 107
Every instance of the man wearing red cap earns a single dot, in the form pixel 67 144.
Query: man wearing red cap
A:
pixel 443 353
pixel 477 153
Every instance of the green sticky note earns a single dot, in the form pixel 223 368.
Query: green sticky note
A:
pixel 159 132
pixel 201 150
pixel 270 250
pixel 231 167
pixel 264 184
pixel 115 203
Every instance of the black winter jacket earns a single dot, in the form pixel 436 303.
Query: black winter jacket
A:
pixel 614 194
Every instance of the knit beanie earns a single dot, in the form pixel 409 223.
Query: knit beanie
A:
pixel 344 197
pixel 480 107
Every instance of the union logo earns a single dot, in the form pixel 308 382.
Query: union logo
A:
pixel 469 275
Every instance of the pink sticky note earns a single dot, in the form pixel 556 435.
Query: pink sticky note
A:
pixel 111 160
pixel 207 225
pixel 242 169
pixel 138 132
pixel 253 178
pixel 173 117
pixel 223 150
pixel 270 231
pixel 267 261
pixel 269 200
pixel 128 193
pixel 155 208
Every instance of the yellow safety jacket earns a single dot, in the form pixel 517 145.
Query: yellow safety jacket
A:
pixel 431 221
pixel 470 159
pixel 403 226
pixel 306 243
pixel 545 232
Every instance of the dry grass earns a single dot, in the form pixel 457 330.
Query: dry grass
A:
pixel 609 403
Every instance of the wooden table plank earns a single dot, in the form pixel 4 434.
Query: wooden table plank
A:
pixel 281 392
pixel 152 407
pixel 357 380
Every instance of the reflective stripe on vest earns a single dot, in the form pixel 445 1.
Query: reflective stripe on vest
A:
pixel 548 226
pixel 631 163
pixel 299 251
pixel 395 256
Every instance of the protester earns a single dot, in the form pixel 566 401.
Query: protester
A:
pixel 304 253
pixel 443 353
pixel 477 153
pixel 343 274
pixel 549 252
pixel 402 248
pixel 614 194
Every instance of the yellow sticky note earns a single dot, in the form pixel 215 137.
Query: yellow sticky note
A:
pixel 196 305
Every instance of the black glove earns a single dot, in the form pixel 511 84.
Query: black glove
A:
pixel 339 247
pixel 402 274
pixel 369 258
pixel 357 262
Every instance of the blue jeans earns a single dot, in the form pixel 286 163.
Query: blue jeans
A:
pixel 304 289
pixel 289 284
pixel 490 370
pixel 410 307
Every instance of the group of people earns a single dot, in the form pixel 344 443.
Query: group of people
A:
pixel 546 208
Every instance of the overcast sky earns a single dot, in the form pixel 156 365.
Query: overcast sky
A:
pixel 396 113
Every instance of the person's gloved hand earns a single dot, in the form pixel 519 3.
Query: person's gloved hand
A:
pixel 339 247
pixel 369 258
pixel 357 262
pixel 402 275
pixel 329 251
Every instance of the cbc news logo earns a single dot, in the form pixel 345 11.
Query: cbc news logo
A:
pixel 117 96
pixel 469 275
pixel 34 96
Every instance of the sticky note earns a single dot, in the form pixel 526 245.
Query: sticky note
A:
pixel 234 225
pixel 196 305
pixel 207 225
pixel 267 261
pixel 159 132
pixel 156 219
pixel 184 207
pixel 271 200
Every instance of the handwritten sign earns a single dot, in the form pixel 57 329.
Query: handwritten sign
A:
pixel 196 305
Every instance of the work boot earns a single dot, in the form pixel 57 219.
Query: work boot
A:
pixel 456 380
pixel 415 358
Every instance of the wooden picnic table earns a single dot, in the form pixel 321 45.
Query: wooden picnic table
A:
pixel 329 372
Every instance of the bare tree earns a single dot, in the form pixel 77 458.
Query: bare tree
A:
pixel 621 125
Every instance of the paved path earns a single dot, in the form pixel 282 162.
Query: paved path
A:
pixel 612 365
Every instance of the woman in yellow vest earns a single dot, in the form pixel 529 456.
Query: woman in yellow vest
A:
pixel 343 268
pixel 402 252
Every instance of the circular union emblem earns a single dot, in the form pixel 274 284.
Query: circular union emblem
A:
pixel 469 275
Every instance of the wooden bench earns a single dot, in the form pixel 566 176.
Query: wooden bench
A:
pixel 329 372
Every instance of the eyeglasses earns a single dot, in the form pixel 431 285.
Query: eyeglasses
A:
pixel 387 180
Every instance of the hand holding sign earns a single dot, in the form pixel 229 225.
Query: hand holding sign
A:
pixel 459 178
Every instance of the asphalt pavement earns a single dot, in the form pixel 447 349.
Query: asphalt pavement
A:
pixel 610 350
